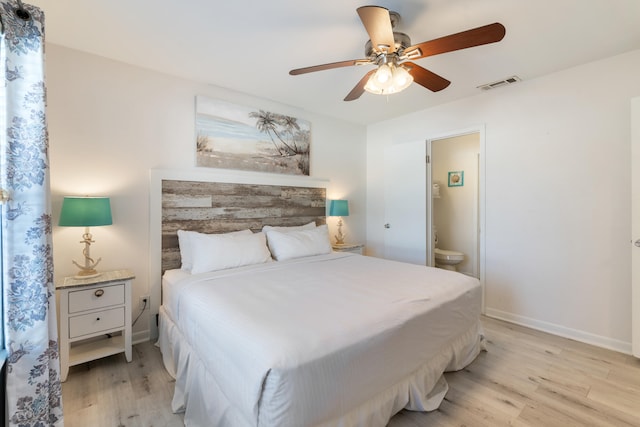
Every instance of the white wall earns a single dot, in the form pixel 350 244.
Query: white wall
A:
pixel 557 195
pixel 110 123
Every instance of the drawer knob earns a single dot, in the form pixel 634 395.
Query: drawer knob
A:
pixel 97 318
pixel 99 293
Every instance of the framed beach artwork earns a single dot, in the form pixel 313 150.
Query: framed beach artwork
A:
pixel 456 179
pixel 232 136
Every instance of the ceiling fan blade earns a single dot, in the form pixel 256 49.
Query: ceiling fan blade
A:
pixel 377 22
pixel 358 90
pixel 329 66
pixel 475 37
pixel 426 78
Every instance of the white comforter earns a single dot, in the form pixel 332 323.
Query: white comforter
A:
pixel 315 340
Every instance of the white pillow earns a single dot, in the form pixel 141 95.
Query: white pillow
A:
pixel 308 226
pixel 184 241
pixel 296 244
pixel 217 252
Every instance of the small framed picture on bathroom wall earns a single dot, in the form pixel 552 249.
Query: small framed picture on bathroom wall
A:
pixel 456 179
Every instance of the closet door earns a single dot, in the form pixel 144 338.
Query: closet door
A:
pixel 405 198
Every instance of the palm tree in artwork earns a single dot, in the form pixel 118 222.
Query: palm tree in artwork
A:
pixel 268 122
pixel 291 124
pixel 264 124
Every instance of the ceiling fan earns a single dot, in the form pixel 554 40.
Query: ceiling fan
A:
pixel 393 52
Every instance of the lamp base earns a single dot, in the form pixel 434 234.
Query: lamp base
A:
pixel 340 236
pixel 87 274
pixel 87 270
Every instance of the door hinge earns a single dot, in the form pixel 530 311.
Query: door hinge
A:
pixel 428 159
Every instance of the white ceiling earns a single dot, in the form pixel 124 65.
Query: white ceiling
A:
pixel 250 45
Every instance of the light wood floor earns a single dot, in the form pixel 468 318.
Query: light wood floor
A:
pixel 526 378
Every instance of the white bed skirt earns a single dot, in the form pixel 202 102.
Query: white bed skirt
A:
pixel 204 404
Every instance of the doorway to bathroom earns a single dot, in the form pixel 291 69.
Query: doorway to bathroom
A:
pixel 454 182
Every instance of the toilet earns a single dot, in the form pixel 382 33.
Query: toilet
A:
pixel 447 259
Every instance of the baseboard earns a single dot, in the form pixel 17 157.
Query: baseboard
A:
pixel 139 337
pixel 551 328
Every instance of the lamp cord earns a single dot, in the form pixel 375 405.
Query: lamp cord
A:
pixel 144 307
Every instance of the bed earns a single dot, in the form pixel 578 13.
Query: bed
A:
pixel 331 339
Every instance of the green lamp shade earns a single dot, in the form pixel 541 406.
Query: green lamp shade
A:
pixel 339 208
pixel 85 212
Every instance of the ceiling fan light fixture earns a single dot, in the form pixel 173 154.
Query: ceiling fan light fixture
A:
pixel 384 75
pixel 401 78
pixel 388 79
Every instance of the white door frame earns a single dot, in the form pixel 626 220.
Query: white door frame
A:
pixel 635 226
pixel 480 130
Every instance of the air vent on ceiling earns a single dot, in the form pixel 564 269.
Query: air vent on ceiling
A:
pixel 499 83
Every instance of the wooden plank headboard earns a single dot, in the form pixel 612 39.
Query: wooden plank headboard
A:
pixel 220 207
pixel 216 201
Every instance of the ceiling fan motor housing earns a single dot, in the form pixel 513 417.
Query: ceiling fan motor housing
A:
pixel 401 40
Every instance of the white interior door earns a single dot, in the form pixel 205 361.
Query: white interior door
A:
pixel 406 203
pixel 635 226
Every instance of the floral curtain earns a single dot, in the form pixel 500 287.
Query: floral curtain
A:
pixel 33 390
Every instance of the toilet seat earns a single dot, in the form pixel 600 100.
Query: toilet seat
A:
pixel 443 254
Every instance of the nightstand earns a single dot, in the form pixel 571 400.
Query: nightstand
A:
pixel 90 311
pixel 355 248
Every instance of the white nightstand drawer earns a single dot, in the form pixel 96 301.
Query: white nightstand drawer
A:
pixel 90 299
pixel 95 322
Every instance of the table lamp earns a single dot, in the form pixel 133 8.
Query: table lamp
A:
pixel 339 208
pixel 86 212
